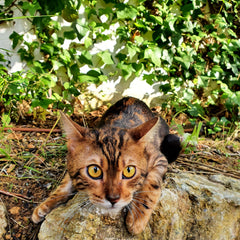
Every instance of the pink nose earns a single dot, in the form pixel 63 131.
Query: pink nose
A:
pixel 113 198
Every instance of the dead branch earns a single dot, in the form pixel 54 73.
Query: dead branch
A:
pixel 16 195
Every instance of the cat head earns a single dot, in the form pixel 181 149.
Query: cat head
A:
pixel 110 164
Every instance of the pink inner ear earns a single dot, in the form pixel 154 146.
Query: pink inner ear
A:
pixel 140 131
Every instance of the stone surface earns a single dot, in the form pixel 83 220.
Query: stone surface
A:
pixel 3 220
pixel 191 207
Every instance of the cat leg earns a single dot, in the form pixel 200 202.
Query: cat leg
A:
pixel 145 200
pixel 59 196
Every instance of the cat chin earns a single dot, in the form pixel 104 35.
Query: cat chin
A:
pixel 107 209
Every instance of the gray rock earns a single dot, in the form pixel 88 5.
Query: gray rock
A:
pixel 3 220
pixel 191 207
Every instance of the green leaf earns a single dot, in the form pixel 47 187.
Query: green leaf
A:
pixel 157 19
pixel 56 64
pixel 66 85
pixel 70 35
pixel 185 60
pixel 106 57
pixel 149 78
pixel 86 78
pixel 48 48
pixel 65 56
pixel 44 103
pixel 88 42
pixel 128 12
pixel 5 120
pixel 127 70
pixel 81 30
pixel 196 110
pixel 16 38
pixel 103 78
pixel 153 53
pixel 8 2
pixel 93 73
pixel 138 67
pixel 31 7
pixel 85 58
pixel 49 80
pixel 132 50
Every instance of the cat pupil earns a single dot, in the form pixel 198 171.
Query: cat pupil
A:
pixel 95 169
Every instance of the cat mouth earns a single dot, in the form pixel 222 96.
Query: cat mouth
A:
pixel 108 207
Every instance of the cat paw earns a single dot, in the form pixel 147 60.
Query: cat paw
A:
pixel 39 214
pixel 136 224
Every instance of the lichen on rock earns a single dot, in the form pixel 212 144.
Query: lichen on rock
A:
pixel 191 207
pixel 3 220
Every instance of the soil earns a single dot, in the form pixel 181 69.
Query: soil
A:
pixel 33 164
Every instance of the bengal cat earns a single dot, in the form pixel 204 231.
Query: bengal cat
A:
pixel 119 165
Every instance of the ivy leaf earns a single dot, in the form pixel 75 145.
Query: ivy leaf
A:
pixel 138 67
pixel 128 12
pixel 44 103
pixel 69 35
pixel 80 29
pixel 127 70
pixel 31 7
pixel 106 57
pixel 56 64
pixel 88 42
pixel 185 60
pixel 65 56
pixel 49 80
pixel 153 53
pixel 132 50
pixel 16 38
pixel 47 48
pixel 8 2
pixel 157 19
pixel 85 78
pixel 85 58
pixel 149 78
pixel 196 110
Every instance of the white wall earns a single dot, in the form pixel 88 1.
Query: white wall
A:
pixel 109 91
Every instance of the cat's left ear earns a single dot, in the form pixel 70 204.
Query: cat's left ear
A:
pixel 145 130
pixel 73 130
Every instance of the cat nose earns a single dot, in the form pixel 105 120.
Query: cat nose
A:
pixel 113 198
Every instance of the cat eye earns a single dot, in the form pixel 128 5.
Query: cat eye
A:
pixel 129 172
pixel 94 172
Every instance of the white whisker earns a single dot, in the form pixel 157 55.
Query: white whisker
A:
pixel 138 210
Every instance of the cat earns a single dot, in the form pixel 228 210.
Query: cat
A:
pixel 120 164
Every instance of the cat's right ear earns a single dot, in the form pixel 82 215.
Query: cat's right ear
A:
pixel 73 131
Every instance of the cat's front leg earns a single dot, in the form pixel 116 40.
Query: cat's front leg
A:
pixel 59 196
pixel 141 209
pixel 145 200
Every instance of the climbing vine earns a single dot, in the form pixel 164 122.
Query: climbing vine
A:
pixel 191 48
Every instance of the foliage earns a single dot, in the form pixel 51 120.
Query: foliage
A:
pixel 191 48
pixel 189 141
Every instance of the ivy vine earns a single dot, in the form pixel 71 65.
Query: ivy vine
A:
pixel 192 48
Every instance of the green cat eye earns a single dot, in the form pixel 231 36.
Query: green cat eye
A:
pixel 129 172
pixel 94 172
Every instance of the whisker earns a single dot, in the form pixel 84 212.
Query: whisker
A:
pixel 138 210
pixel 130 210
pixel 141 199
pixel 144 191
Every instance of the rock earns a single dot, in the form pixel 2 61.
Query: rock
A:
pixel 191 207
pixel 3 220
